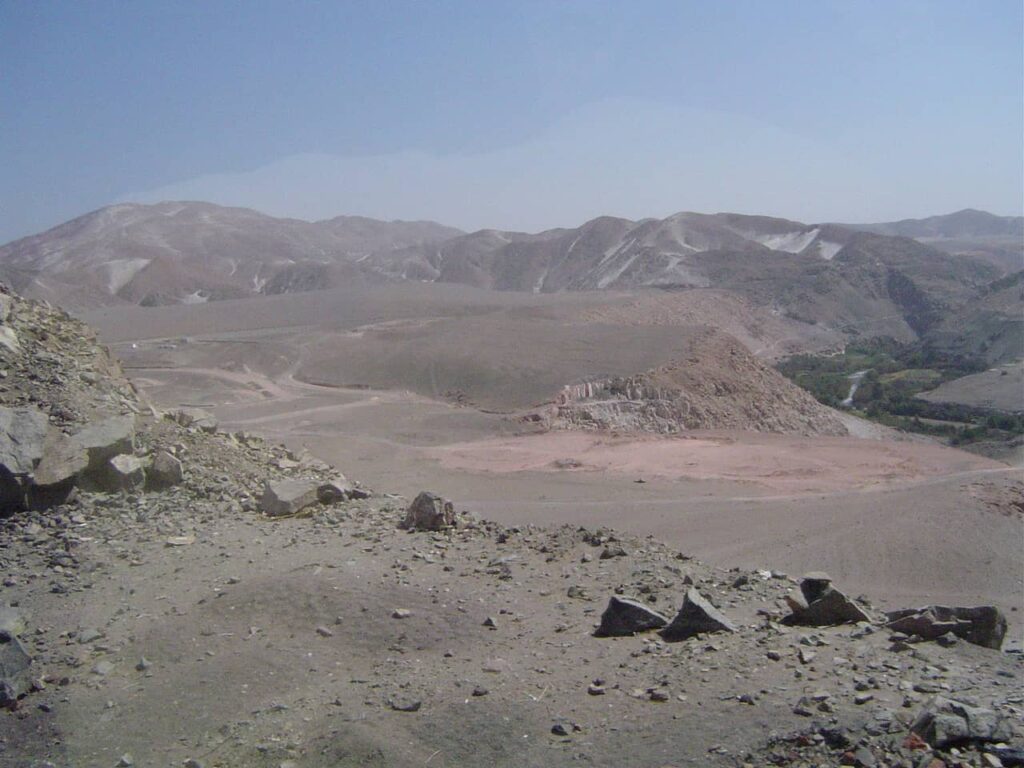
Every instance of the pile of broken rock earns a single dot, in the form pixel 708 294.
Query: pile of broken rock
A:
pixel 943 722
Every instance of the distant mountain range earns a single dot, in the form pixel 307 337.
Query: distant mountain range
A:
pixel 901 279
pixel 998 239
pixel 190 252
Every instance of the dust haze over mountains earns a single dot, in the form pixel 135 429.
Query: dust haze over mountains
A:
pixel 844 280
pixel 470 383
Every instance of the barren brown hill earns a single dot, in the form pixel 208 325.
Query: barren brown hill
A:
pixel 850 282
pixel 188 252
pixel 717 384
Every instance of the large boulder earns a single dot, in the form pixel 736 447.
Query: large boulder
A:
pixel 625 617
pixel 945 722
pixel 338 489
pixel 826 606
pixel 286 497
pixel 53 480
pixel 22 444
pixel 14 665
pixel 9 339
pixel 103 440
pixel 429 512
pixel 983 625
pixel 696 616
pixel 814 585
pixel 195 418
pixel 124 473
pixel 164 471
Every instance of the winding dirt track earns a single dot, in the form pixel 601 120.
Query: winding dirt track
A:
pixel 901 521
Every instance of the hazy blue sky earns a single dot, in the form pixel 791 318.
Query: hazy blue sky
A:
pixel 512 114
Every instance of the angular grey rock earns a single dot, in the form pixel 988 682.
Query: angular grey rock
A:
pixel 945 722
pixel 124 473
pixel 983 625
pixel 14 666
pixel 286 497
pixel 103 440
pixel 813 585
pixel 9 339
pixel 429 512
pixel 22 439
pixel 696 616
pixel 624 617
pixel 164 471
pixel 830 608
pixel 195 418
pixel 22 443
pixel 338 489
pixel 11 621
pixel 54 479
pixel 63 460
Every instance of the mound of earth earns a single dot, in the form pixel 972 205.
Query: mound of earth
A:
pixel 718 385
pixel 51 361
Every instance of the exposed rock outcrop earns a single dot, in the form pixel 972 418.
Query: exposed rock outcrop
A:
pixel 983 625
pixel 720 385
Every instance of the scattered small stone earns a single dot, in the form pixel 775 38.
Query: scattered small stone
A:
pixel 87 636
pixel 405 704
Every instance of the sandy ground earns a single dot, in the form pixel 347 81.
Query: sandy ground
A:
pixel 904 521
pixel 779 463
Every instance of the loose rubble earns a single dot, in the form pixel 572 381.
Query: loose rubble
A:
pixel 984 625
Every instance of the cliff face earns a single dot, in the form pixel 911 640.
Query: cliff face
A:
pixel 720 385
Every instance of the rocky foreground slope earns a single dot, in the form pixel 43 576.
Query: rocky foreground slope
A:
pixel 231 615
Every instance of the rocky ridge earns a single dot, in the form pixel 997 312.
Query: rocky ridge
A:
pixel 719 386
pixel 355 631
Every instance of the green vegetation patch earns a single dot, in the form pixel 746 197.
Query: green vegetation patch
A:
pixel 893 374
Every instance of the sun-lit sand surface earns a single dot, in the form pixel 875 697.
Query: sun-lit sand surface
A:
pixel 780 463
